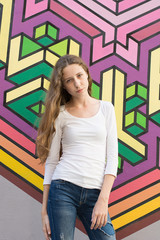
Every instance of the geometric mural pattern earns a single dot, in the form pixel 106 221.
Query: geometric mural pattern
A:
pixel 120 42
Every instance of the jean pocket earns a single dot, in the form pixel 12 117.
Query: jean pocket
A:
pixel 108 229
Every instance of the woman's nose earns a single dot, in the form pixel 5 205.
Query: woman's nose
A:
pixel 76 82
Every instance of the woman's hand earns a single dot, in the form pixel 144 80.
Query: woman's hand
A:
pixel 45 225
pixel 99 214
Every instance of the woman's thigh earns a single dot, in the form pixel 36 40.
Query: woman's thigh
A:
pixel 85 213
pixel 61 211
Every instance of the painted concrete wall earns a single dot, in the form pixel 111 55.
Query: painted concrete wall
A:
pixel 120 41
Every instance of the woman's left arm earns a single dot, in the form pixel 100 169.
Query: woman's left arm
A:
pixel 100 210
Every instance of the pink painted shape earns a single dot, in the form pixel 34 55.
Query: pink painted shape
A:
pixel 146 32
pixel 74 19
pixel 109 4
pixel 17 136
pixel 32 8
pixel 135 185
pixel 92 18
pixel 125 4
pixel 131 54
pixel 134 25
pixel 99 51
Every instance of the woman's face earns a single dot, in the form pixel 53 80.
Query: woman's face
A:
pixel 75 80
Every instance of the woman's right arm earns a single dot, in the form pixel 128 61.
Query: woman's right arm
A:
pixel 50 165
pixel 44 214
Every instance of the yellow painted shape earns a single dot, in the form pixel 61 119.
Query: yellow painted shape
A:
pixel 74 48
pixel 107 87
pixel 21 170
pixel 15 65
pixel 129 118
pixel 51 58
pixel 46 84
pixel 107 91
pixel 119 102
pixel 5 28
pixel 154 83
pixel 24 89
pixel 137 213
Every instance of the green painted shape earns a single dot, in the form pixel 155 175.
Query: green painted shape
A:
pixel 156 117
pixel 33 72
pixel 95 90
pixel 129 118
pixel 142 91
pixel 45 41
pixel 135 130
pixel 119 162
pixel 129 153
pixel 141 120
pixel 20 106
pixel 29 46
pixel 43 108
pixel 60 48
pixel 130 91
pixel 1 65
pixel 132 103
pixel 40 31
pixel 35 108
pixel 52 32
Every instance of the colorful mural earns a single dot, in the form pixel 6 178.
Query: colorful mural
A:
pixel 120 41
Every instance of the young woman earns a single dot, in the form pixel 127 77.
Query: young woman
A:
pixel 76 135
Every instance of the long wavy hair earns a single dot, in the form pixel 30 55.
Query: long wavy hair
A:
pixel 56 96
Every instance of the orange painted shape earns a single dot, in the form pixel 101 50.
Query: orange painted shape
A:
pixel 135 185
pixel 22 155
pixel 134 200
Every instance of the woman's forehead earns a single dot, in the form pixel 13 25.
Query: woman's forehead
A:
pixel 72 69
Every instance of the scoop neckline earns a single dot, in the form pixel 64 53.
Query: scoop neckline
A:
pixel 84 117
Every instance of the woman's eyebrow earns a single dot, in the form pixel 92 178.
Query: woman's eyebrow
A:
pixel 67 78
pixel 78 73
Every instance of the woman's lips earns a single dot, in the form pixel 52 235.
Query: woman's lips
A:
pixel 80 90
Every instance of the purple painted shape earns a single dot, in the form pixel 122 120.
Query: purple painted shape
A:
pixel 27 27
pixel 150 139
pixel 143 108
pixel 67 30
pixel 132 75
pixel 159 154
pixel 10 116
pixel 140 75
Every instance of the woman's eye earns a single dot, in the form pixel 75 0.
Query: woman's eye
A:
pixel 67 81
pixel 79 75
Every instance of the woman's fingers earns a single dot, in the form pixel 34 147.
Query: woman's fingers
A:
pixel 98 221
pixel 105 220
pixel 46 227
pixel 101 221
pixel 48 230
pixel 93 222
pixel 47 233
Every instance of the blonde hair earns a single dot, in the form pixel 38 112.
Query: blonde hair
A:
pixel 56 96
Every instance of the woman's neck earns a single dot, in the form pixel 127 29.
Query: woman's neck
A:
pixel 78 102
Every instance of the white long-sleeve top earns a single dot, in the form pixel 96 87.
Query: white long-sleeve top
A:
pixel 89 148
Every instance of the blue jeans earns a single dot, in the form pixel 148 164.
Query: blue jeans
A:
pixel 66 201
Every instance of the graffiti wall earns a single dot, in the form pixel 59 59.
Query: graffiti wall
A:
pixel 120 42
